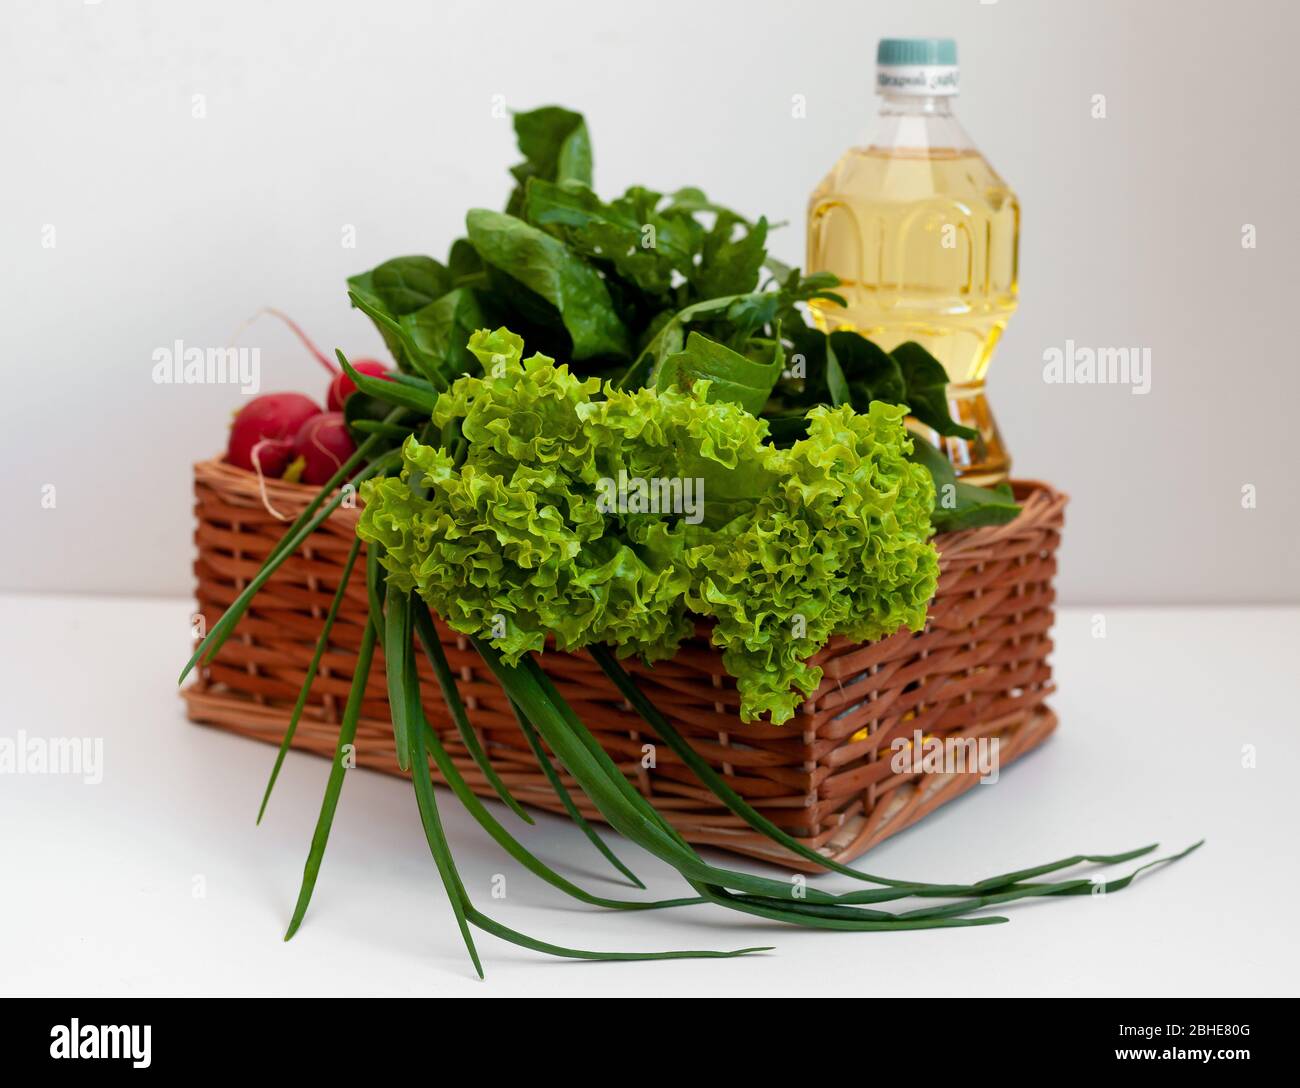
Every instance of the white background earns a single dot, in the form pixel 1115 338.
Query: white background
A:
pixel 378 115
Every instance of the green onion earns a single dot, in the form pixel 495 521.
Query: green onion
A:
pixel 455 706
pixel 566 800
pixel 334 785
pixel 312 669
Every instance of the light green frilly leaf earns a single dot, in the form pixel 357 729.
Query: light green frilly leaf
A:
pixel 592 516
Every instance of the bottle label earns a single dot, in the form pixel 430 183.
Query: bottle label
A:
pixel 917 79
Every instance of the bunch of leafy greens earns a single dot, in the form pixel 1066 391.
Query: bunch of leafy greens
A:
pixel 651 289
pixel 518 541
pixel 812 512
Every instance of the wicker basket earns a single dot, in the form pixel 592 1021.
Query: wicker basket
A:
pixel 979 669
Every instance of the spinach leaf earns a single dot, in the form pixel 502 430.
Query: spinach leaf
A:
pixel 404 283
pixel 431 340
pixel 549 268
pixel 555 146
pixel 691 200
pixel 959 505
pixel 837 385
pixel 845 368
pixel 927 390
pixel 400 286
pixel 872 373
pixel 442 330
pixel 463 261
pixel 907 375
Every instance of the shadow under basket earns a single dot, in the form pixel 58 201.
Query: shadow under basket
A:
pixel 978 670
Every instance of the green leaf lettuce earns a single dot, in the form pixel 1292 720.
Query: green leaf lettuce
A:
pixel 517 541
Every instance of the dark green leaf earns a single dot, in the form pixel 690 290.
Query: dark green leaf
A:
pixel 396 288
pixel 555 146
pixel 927 390
pixel 546 266
pixel 398 669
pixel 431 339
pixel 566 800
pixel 870 372
pixel 404 284
pixel 727 266
pixel 392 431
pixel 451 773
pixel 690 200
pixel 442 330
pixel 488 925
pixel 433 651
pixel 427 802
pixel 463 261
pixel 959 505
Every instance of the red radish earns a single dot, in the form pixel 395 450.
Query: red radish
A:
pixel 342 386
pixel 322 444
pixel 261 437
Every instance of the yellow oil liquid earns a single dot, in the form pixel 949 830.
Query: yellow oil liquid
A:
pixel 925 245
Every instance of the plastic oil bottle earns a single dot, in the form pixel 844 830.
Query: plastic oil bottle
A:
pixel 923 235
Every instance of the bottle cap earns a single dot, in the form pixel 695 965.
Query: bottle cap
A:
pixel 921 66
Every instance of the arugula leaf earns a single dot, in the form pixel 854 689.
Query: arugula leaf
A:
pixel 730 267
pixel 552 270
pixel 733 377
pixel 690 200
pixel 642 246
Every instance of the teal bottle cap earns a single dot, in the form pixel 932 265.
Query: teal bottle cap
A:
pixel 922 66
pixel 894 52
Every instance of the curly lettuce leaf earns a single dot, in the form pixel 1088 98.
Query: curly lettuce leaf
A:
pixel 519 543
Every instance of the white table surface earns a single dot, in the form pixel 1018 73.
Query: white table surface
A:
pixel 97 881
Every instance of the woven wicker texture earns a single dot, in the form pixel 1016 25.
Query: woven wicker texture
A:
pixel 979 669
